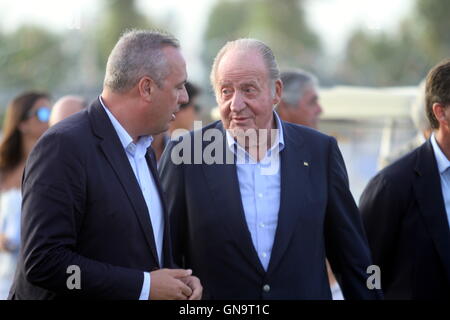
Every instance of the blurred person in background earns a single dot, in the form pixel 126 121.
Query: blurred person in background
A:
pixel 66 106
pixel 421 123
pixel 184 119
pixel 25 121
pixel 300 101
pixel 406 207
pixel 300 104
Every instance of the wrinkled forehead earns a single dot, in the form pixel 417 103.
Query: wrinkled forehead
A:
pixel 241 63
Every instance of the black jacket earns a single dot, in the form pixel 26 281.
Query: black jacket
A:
pixel 82 206
pixel 406 224
pixel 318 217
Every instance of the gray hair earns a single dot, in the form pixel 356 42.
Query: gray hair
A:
pixel 295 83
pixel 248 44
pixel 138 53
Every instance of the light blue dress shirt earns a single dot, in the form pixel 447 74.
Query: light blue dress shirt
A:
pixel 136 156
pixel 443 165
pixel 260 192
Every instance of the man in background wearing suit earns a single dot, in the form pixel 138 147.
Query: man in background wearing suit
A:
pixel 251 233
pixel 300 100
pixel 406 207
pixel 92 205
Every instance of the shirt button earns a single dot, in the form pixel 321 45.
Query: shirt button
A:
pixel 266 288
pixel 262 225
pixel 264 254
pixel 260 195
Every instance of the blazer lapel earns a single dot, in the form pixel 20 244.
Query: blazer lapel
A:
pixel 294 193
pixel 112 148
pixel 167 248
pixel 224 184
pixel 428 193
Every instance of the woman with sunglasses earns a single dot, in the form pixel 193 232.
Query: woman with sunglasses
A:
pixel 25 121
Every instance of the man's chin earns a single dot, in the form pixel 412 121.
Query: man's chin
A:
pixel 241 130
pixel 160 130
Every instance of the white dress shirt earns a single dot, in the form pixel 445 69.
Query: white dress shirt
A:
pixel 260 192
pixel 136 156
pixel 443 165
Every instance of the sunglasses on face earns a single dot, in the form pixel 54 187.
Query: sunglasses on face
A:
pixel 42 114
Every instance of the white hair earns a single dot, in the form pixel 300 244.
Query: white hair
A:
pixel 295 84
pixel 248 44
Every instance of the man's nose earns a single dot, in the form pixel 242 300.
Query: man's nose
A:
pixel 184 97
pixel 237 103
pixel 319 109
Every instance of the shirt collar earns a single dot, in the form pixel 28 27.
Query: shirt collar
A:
pixel 442 162
pixel 232 144
pixel 125 139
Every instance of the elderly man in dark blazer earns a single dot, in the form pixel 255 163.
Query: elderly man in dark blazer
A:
pixel 406 207
pixel 94 223
pixel 256 203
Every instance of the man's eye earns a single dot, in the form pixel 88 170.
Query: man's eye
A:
pixel 226 91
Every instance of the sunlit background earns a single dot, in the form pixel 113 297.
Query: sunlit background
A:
pixel 369 55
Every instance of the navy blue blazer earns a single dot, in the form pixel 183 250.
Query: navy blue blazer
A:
pixel 404 215
pixel 318 217
pixel 82 205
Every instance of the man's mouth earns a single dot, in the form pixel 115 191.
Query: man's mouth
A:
pixel 239 119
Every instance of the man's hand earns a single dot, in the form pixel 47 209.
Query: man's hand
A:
pixel 167 284
pixel 194 283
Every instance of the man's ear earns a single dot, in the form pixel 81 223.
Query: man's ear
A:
pixel 146 88
pixel 278 92
pixel 439 112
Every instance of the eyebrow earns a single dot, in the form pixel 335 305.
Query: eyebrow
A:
pixel 247 83
pixel 250 83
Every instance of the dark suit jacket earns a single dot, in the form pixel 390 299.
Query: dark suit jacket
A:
pixel 317 217
pixel 406 223
pixel 82 205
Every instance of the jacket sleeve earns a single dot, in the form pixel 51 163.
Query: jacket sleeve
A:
pixel 345 240
pixel 53 208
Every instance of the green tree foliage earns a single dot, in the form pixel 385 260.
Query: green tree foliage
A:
pixel 31 57
pixel 117 16
pixel 403 56
pixel 383 59
pixel 280 24
pixel 435 37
